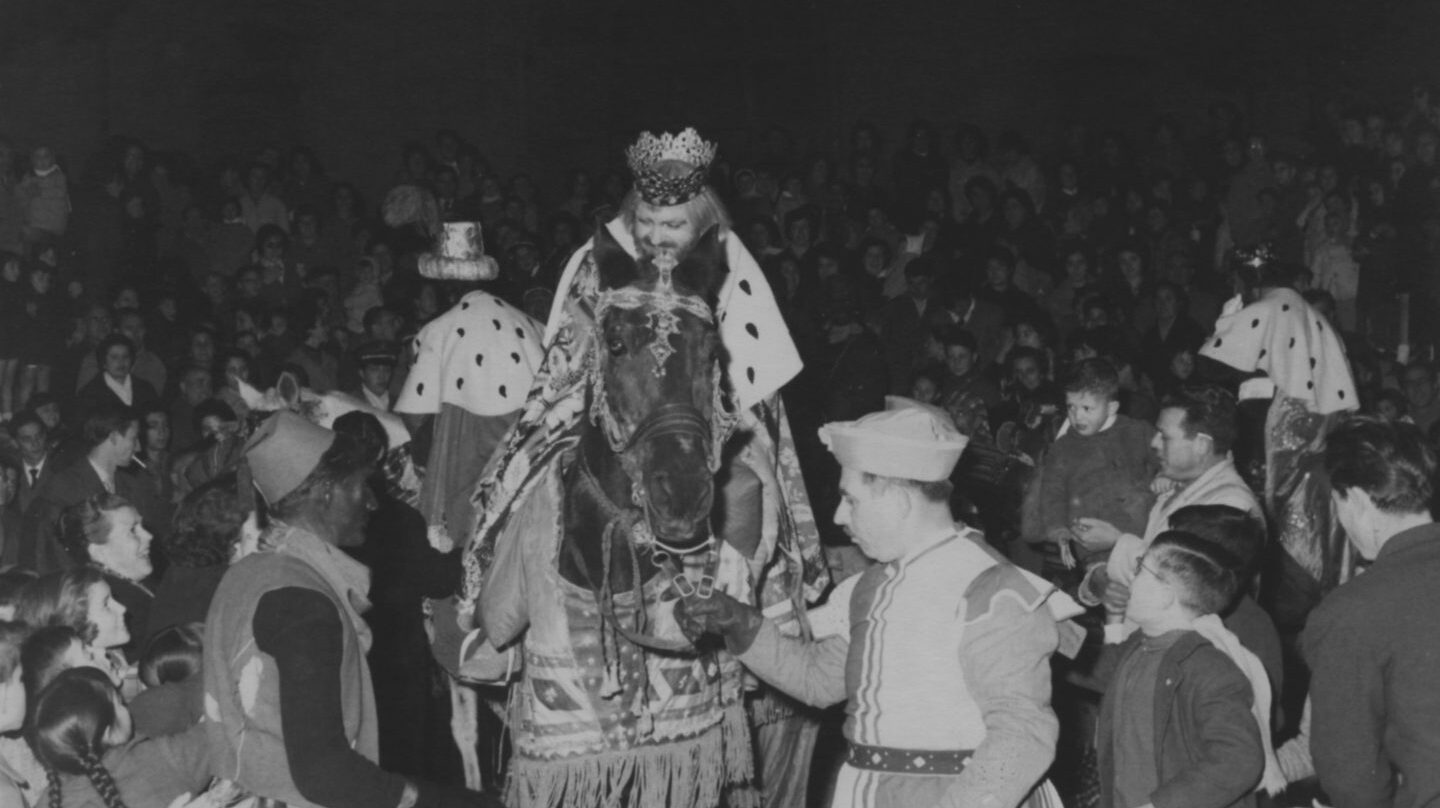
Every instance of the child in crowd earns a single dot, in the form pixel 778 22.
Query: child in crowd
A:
pixel 1177 724
pixel 46 197
pixel 1099 467
pixel 174 695
pixel 13 783
pixel 81 732
pixel 1335 270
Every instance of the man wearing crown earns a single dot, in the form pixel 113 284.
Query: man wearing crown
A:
pixel 771 560
pixel 669 207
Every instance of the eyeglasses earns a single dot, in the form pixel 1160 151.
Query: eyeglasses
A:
pixel 1141 565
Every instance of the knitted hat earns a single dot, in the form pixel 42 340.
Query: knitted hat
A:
pixel 282 453
pixel 909 441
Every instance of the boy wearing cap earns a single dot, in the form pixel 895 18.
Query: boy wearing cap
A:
pixel 377 362
pixel 941 650
pixel 288 694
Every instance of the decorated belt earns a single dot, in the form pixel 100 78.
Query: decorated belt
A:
pixel 907 761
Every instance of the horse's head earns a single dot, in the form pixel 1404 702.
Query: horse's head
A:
pixel 656 374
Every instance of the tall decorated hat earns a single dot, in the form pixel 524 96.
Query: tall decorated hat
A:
pixel 670 169
pixel 458 255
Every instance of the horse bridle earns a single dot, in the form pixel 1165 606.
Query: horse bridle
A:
pixel 628 522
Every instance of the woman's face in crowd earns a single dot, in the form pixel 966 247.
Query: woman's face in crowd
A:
pixel 1166 306
pixel 1375 191
pixel 157 432
pixel 1329 178
pixel 935 203
pixel 202 349
pixel 11 270
pixel 1182 365
pixel 212 428
pixel 107 615
pixel 126 550
pixel 924 390
pixel 43 159
pixel 997 274
pixel 1131 267
pixel 1027 336
pixel 117 362
pixel 1387 409
pixel 40 281
pixel 1027 374
pixel 875 259
pixel 50 415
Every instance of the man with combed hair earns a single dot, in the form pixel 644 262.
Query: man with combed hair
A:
pixel 1372 644
pixel 1193 438
pixel 941 650
pixel 112 435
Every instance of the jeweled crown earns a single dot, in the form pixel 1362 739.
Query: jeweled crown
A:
pixel 658 186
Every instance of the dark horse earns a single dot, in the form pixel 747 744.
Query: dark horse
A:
pixel 643 472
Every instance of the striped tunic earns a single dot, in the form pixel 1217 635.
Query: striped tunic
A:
pixel 946 649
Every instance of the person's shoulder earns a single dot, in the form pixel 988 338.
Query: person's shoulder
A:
pixel 1203 663
pixel 1001 581
pixel 1359 601
pixel 1130 426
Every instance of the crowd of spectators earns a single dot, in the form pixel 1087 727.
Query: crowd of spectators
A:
pixel 1032 295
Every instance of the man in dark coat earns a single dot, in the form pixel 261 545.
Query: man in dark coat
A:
pixel 115 384
pixel 112 435
pixel 1372 645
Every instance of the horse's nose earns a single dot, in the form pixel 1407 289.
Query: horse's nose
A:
pixel 681 494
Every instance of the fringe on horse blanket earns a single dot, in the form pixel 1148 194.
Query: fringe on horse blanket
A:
pixel 596 718
pixel 697 771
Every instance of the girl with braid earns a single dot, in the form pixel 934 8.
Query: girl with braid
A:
pixel 81 733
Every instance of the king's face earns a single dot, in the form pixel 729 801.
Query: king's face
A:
pixel 663 230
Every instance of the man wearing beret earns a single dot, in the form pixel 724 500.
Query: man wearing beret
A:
pixel 941 650
pixel 288 694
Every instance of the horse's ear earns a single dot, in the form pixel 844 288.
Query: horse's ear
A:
pixel 704 269
pixel 289 390
pixel 614 267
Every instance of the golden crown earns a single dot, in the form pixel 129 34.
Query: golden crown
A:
pixel 664 187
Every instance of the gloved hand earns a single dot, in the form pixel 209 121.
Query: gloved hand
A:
pixel 720 614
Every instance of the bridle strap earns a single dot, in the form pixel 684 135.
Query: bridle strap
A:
pixel 672 419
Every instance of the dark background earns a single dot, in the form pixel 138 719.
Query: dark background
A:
pixel 545 85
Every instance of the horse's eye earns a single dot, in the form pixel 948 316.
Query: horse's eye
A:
pixel 616 346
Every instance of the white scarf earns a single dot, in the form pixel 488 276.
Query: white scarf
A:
pixel 124 390
pixel 1210 627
